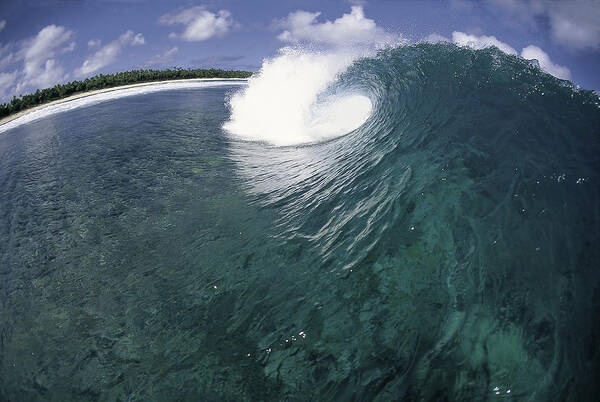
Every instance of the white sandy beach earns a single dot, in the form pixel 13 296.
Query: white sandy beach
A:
pixel 165 86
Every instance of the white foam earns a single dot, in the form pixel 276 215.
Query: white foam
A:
pixel 113 94
pixel 281 105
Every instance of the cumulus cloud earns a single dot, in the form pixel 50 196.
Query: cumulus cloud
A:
pixel 530 52
pixel 2 24
pixel 39 56
pixel 481 42
pixel 350 29
pixel 69 48
pixel 94 42
pixel 138 39
pixel 435 38
pixel 108 54
pixel 7 81
pixel 200 24
pixel 40 66
pixel 533 52
pixel 524 11
pixel 574 24
pixel 7 55
pixel 166 57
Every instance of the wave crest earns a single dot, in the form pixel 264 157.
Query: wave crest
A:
pixel 288 102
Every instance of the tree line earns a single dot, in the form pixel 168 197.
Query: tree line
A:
pixel 101 81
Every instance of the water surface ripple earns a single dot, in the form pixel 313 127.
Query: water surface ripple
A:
pixel 448 249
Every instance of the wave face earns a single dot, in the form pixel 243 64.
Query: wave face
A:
pixel 442 247
pixel 475 177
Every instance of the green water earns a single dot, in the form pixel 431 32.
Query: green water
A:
pixel 446 250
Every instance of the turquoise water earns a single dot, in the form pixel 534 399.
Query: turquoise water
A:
pixel 446 250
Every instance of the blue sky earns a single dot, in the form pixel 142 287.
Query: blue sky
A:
pixel 44 42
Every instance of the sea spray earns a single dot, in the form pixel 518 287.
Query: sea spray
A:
pixel 285 104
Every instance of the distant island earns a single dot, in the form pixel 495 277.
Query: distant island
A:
pixel 103 81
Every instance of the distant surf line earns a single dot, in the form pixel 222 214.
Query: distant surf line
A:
pixel 100 95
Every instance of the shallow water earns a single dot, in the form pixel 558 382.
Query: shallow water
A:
pixel 446 250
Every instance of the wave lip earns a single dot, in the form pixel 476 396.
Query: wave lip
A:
pixel 287 102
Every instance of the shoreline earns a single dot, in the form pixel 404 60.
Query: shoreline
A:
pixel 22 113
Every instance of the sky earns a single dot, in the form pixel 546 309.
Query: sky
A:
pixel 45 42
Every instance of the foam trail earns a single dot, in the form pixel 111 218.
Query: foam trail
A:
pixel 284 103
pixel 105 96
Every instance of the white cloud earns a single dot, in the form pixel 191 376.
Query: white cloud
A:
pixel 481 42
pixel 349 29
pixel 533 52
pixel 94 42
pixel 69 48
pixel 49 73
pixel 435 38
pixel 166 57
pixel 7 55
pixel 574 24
pixel 523 10
pixel 7 81
pixel 200 24
pixel 138 39
pixel 108 54
pixel 530 52
pixel 39 55
pixel 2 24
pixel 40 67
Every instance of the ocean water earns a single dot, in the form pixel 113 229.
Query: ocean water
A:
pixel 435 239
